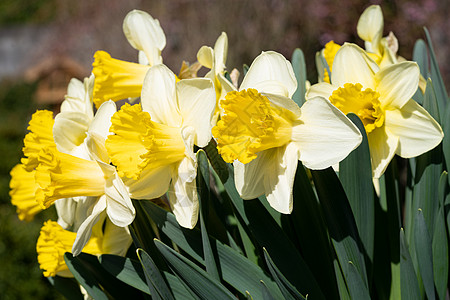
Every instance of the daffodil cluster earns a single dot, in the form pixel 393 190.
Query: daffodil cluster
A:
pixel 94 156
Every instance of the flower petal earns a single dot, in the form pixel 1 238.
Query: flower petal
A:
pixel 220 53
pixel 69 130
pixel 183 193
pixel 85 230
pixel 325 136
pixel 153 183
pixel 158 96
pixel 249 178
pixel 397 83
pixel 197 101
pixel 271 73
pixel 116 240
pixel 102 120
pixel 417 131
pixel 144 33
pixel 383 145
pixel 353 65
pixel 205 56
pixel 370 23
pixel 119 207
pixel 278 183
pixel 321 89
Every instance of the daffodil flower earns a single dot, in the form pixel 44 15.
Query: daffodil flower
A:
pixel 116 79
pixel 265 133
pixel 381 98
pixel 153 143
pixel 61 175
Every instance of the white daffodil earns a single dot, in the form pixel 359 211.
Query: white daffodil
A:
pixel 153 142
pixel 116 79
pixel 61 175
pixel 265 133
pixel 395 124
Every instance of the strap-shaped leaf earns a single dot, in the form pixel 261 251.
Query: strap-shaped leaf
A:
pixel 288 290
pixel 410 286
pixel 355 173
pixel 195 278
pixel 357 288
pixel 266 293
pixel 424 254
pixel 341 223
pixel 234 268
pixel 299 66
pixel 156 283
pixel 68 287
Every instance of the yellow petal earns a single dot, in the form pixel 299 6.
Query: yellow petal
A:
pixel 116 79
pixel 23 188
pixel 39 137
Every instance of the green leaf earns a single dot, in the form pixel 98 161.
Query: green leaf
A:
pixel 342 285
pixel 125 269
pixel 446 140
pixel 234 268
pixel 68 287
pixel 195 278
pixel 266 293
pixel 355 173
pixel 357 288
pixel 299 66
pixel 440 242
pixel 204 195
pixel 288 290
pixel 420 55
pixel 424 254
pixel 217 162
pixel 441 92
pixel 269 235
pixel 409 285
pixel 341 223
pixel 156 283
pixel 312 234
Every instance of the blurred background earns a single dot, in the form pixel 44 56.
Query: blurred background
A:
pixel 44 43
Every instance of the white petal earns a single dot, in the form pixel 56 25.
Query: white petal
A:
pixel 158 96
pixel 97 150
pixel 397 83
pixel 325 136
pixel 220 53
pixel 69 130
pixel 279 182
pixel 249 178
pixel 119 207
pixel 370 23
pixel 102 120
pixel 116 240
pixel 284 102
pixel 321 89
pixel 197 101
pixel 75 89
pixel 417 131
pixel 144 33
pixel 65 209
pixel 183 193
pixel 383 145
pixel 271 73
pixel 352 65
pixel 85 230
pixel 152 183
pixel 205 56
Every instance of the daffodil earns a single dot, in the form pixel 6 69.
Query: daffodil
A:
pixel 54 241
pixel 215 59
pixel 116 79
pixel 381 98
pixel 61 175
pixel 153 142
pixel 265 133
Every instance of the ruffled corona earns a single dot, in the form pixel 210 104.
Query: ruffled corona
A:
pixel 365 104
pixel 23 188
pixel 329 52
pixel 61 175
pixel 250 125
pixel 140 143
pixel 53 242
pixel 39 137
pixel 116 79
